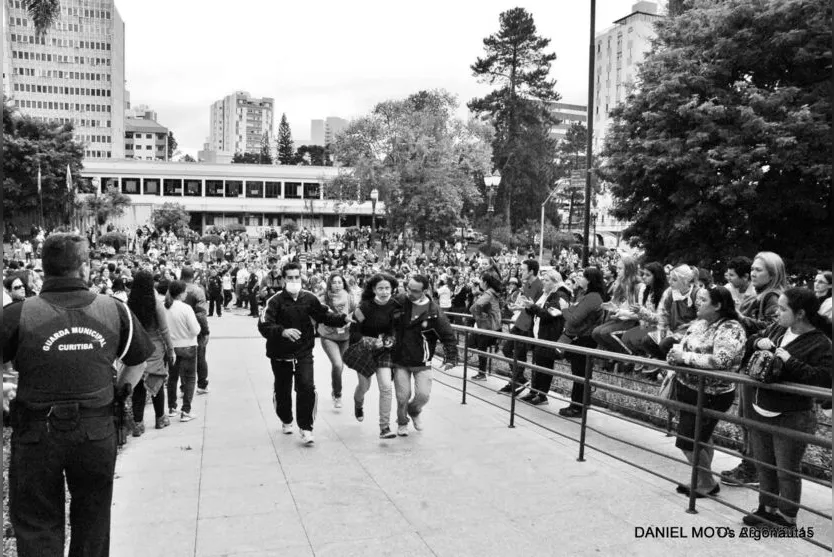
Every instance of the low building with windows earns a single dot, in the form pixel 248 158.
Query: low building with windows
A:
pixel 145 140
pixel 254 195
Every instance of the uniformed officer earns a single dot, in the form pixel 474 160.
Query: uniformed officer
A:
pixel 64 344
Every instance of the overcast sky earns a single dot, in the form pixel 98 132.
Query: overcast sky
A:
pixel 330 57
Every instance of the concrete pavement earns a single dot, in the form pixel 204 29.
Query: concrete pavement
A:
pixel 230 483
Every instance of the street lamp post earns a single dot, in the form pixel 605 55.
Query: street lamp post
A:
pixel 374 199
pixel 491 183
pixel 594 218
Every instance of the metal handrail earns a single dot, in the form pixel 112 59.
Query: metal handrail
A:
pixel 698 409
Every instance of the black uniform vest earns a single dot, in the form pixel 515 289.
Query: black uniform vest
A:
pixel 68 354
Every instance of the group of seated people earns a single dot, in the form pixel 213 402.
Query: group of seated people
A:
pixel 675 314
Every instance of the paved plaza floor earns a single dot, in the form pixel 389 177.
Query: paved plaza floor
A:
pixel 230 483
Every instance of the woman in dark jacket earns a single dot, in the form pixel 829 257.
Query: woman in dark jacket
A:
pixel 548 325
pixel 487 313
pixel 580 319
pixel 804 353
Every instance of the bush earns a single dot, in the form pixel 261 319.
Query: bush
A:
pixel 215 229
pixel 234 228
pixel 497 247
pixel 211 239
pixel 114 239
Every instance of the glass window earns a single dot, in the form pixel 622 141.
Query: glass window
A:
pixel 311 191
pixel 234 188
pixel 273 190
pixel 109 183
pixel 193 188
pixel 151 186
pixel 253 220
pixel 130 185
pixel 292 190
pixel 172 186
pixel 214 188
pixel 254 189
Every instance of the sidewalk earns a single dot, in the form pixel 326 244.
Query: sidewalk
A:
pixel 229 483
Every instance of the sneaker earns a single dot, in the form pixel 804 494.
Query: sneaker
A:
pixel 529 397
pixel 138 429
pixel 163 421
pixel 760 516
pixel 307 437
pixel 743 474
pixel 359 412
pixel 187 416
pixel 172 413
pixel 205 391
pixel 386 433
pixel 479 377
pixel 417 420
pixel 287 429
pixel 570 412
pixel 337 402
pixel 402 431
pixel 540 400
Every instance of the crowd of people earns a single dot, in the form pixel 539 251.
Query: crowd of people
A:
pixel 380 304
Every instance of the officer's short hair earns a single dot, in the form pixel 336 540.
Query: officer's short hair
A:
pixel 64 254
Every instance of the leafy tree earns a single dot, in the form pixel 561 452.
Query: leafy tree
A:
pixel 725 148
pixel 519 108
pixel 172 146
pixel 112 204
pixel 285 150
pixel 266 150
pixel 28 145
pixel 170 216
pixel 313 155
pixel 188 158
pixel 422 160
pixel 246 158
pixel 44 13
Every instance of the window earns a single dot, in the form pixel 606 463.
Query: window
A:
pixel 272 190
pixel 109 183
pixel 311 191
pixel 172 186
pixel 193 188
pixel 253 220
pixel 214 188
pixel 292 190
pixel 254 189
pixel 130 185
pixel 234 188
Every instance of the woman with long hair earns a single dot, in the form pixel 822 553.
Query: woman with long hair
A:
pixel 334 340
pixel 150 311
pixel 822 290
pixel 647 309
pixel 375 320
pixel 714 341
pixel 184 328
pixel 487 313
pixel 621 316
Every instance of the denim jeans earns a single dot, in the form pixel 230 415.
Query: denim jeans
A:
pixel 202 363
pixel 784 453
pixel 185 369
pixel 407 406
pixel 383 379
pixel 335 349
pixel 482 343
pixel 284 372
pixel 602 334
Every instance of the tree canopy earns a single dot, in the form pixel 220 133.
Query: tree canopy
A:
pixel 725 147
pixel 170 216
pixel 286 155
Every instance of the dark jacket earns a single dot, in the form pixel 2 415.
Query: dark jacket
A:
pixel 282 312
pixel 215 285
pixel 757 314
pixel 810 364
pixel 550 328
pixel 487 311
pixel 416 339
pixel 583 316
pixel 532 290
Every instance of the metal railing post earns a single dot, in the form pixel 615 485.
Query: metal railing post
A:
pixel 465 364
pixel 586 402
pixel 696 449
pixel 513 383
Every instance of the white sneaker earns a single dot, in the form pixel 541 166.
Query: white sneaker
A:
pixel 337 402
pixel 402 430
pixel 417 421
pixel 287 429
pixel 307 437
pixel 172 413
pixel 187 416
pixel 205 391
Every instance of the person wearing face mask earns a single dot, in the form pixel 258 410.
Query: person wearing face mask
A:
pixel 375 318
pixel 421 324
pixel 287 326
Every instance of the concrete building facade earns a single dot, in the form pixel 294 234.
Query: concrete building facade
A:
pixel 568 114
pixel 619 49
pixel 317 132
pixel 74 73
pixel 238 122
pixel 332 126
pixel 145 140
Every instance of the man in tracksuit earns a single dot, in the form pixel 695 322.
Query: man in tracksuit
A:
pixel 421 324
pixel 287 327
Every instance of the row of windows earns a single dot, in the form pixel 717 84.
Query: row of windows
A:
pixel 129 147
pixel 59 26
pixel 38 72
pixel 60 58
pixel 61 90
pixel 130 135
pixel 97 154
pixel 79 122
pixel 214 188
pixel 69 11
pixel 96 138
pixel 54 105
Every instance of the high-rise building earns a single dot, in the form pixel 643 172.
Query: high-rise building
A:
pixel 568 114
pixel 238 123
pixel 618 51
pixel 74 73
pixel 332 126
pixel 317 132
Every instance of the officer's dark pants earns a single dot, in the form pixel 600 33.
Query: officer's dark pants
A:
pixel 39 460
pixel 305 391
pixel 253 304
pixel 216 300
pixel 202 363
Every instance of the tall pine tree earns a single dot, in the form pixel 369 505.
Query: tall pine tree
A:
pixel 286 154
pixel 519 108
pixel 266 150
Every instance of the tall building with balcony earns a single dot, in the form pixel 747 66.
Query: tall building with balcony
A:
pixel 74 73
pixel 239 121
pixel 619 49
